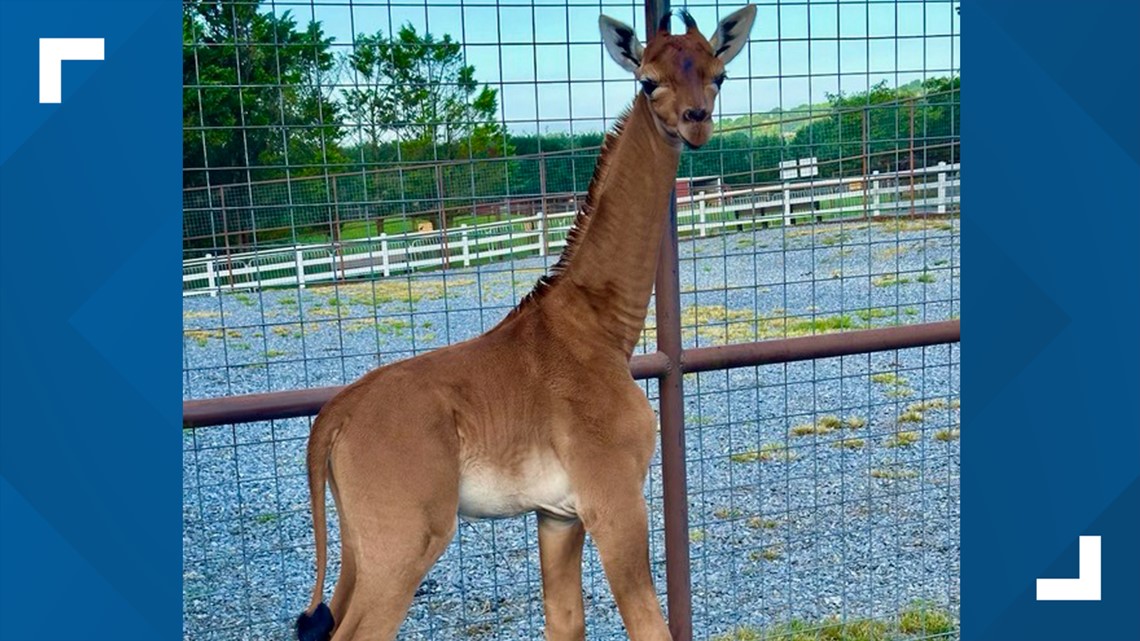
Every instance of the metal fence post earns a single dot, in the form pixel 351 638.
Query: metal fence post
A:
pixel 300 259
pixel 941 186
pixel 211 275
pixel 541 234
pixel 701 216
pixel 678 586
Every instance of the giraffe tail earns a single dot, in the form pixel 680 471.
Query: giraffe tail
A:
pixel 316 622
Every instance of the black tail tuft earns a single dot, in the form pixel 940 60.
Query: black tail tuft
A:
pixel 316 626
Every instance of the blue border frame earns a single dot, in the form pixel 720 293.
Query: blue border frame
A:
pixel 1051 449
pixel 90 235
pixel 88 457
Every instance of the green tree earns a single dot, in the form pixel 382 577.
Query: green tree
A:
pixel 257 94
pixel 883 125
pixel 417 90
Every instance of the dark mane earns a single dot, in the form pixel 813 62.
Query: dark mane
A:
pixel 581 219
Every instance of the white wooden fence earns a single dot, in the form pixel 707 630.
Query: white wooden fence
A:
pixel 931 189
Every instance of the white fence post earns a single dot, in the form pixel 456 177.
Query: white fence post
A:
pixel 211 276
pixel 384 255
pixel 787 204
pixel 701 215
pixel 875 194
pixel 300 257
pixel 540 225
pixel 941 186
pixel 465 245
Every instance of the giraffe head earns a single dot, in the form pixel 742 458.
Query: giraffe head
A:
pixel 680 75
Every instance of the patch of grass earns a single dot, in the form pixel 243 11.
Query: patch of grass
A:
pixel 888 378
pixel 750 456
pixel 899 392
pixel 910 311
pixel 927 405
pixel 696 535
pixel 768 553
pixel 956 404
pixel 717 324
pixel 947 435
pixel 893 474
pixel 889 253
pixel 805 429
pixel 287 331
pixel 834 228
pixel 242 346
pixel 917 620
pixel 727 513
pixel 824 325
pixel 274 353
pixel 875 312
pixel 203 336
pixel 910 416
pixel 777 452
pixel 823 425
pixel 914 224
pixel 830 422
pixel 268 517
pixel 926 277
pixel 767 452
pixel 849 444
pixel 889 280
pixel 903 439
pixel 397 326
pixel 379 292
pixel 835 239
pixel 941 262
pixel 288 301
pixel 202 314
pixel 925 619
pixel 854 422
pixel 244 299
pixel 757 523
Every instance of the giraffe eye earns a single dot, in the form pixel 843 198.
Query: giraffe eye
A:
pixel 648 86
pixel 719 80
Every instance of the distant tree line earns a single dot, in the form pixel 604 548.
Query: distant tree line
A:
pixel 268 98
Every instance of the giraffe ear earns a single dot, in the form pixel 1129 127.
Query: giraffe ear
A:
pixel 621 42
pixel 732 33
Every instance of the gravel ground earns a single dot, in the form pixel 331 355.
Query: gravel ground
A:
pixel 785 524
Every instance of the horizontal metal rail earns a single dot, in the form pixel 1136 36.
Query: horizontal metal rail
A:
pixel 307 402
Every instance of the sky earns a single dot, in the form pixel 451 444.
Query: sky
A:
pixel 553 75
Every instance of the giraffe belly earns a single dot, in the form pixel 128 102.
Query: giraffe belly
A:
pixel 542 485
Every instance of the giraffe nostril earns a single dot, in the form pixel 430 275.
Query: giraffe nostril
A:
pixel 696 115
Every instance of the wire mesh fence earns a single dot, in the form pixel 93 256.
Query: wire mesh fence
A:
pixel 366 181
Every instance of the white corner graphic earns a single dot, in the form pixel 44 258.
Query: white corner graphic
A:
pixel 53 51
pixel 1086 587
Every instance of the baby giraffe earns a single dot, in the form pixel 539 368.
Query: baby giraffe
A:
pixel 539 414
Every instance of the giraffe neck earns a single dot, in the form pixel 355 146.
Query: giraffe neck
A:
pixel 609 276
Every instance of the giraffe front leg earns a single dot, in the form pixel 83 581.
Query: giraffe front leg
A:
pixel 617 520
pixel 560 551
